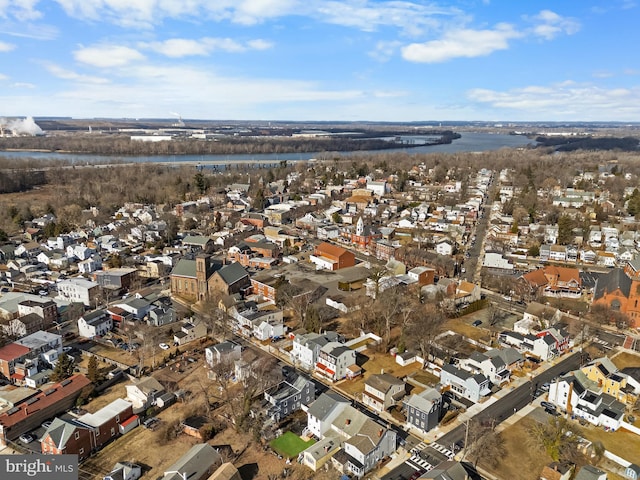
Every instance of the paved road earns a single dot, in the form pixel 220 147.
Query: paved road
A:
pixel 517 399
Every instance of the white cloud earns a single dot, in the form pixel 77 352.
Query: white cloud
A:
pixel 567 100
pixel 6 47
pixel 105 56
pixel 413 18
pixel 410 16
pixel 383 51
pixel 22 85
pixel 65 74
pixel 22 10
pixel 146 90
pixel 549 25
pixel 3 77
pixel 183 47
pixel 461 43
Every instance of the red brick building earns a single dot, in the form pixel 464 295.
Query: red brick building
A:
pixel 52 401
pixel 620 290
pixel 332 257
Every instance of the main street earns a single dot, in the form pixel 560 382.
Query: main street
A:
pixel 496 413
pixel 515 400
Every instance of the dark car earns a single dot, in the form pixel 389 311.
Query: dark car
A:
pixel 477 323
pixel 547 405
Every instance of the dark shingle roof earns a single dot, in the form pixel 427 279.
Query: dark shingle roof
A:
pixel 232 273
pixel 615 279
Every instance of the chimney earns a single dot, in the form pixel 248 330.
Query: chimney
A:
pixel 382 371
pixel 348 422
pixel 380 432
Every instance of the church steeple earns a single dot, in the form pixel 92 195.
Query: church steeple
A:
pixel 360 227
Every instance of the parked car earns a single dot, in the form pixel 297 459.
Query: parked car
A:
pixel 477 323
pixel 164 346
pixel 27 438
pixel 545 387
pixel 547 405
pixel 46 424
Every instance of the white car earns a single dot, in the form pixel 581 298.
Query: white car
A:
pixel 164 346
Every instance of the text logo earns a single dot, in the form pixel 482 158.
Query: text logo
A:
pixel 40 467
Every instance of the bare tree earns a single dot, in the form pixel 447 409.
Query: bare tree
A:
pixel 558 438
pixel 483 442
pixel 423 328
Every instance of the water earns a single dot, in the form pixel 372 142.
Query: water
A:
pixel 469 142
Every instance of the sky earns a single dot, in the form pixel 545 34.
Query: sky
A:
pixel 325 60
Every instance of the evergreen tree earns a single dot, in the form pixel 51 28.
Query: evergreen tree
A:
pixel 92 370
pixel 63 368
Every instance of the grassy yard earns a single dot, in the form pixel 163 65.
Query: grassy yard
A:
pixel 377 363
pixel 625 359
pixel 621 442
pixel 425 378
pixel 290 445
pixel 517 463
pixel 463 326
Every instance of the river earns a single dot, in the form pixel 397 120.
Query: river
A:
pixel 468 142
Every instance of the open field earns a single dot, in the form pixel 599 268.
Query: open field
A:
pixel 463 326
pixel 290 445
pixel 519 462
pixel 621 442
pixel 377 363
pixel 626 359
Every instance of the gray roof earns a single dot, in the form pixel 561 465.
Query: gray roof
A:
pixel 232 273
pixel 60 432
pixel 508 355
pixel 195 463
pixel 615 279
pixel 383 381
pixel 196 240
pixel 589 472
pixel 424 400
pixel 325 404
pixel 106 413
pixel 185 268
pixel 450 470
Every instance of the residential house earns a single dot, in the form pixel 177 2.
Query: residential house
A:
pixel 289 396
pixel 79 290
pixel 96 323
pixel 449 470
pixel 44 346
pixel 105 424
pixel 470 386
pixel 197 464
pixel 124 471
pixel 557 471
pixel 332 257
pixel 545 345
pixel 382 391
pixel 445 247
pixel 14 359
pixel 190 330
pixel 115 279
pixel 90 265
pixel 138 307
pixel 588 472
pixel 333 361
pixel 494 368
pixel 423 410
pixel 305 348
pixel 24 325
pixel 226 352
pixel 47 311
pixel 579 396
pixel 554 281
pixel 323 411
pixel 611 381
pixel 143 392
pixel 66 437
pixel 368 447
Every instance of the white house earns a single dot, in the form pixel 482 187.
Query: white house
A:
pixel 305 348
pixel 465 384
pixel 333 361
pixel 94 324
pixel 444 247
pixel 79 290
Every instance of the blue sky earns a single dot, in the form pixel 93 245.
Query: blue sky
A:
pixel 379 60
